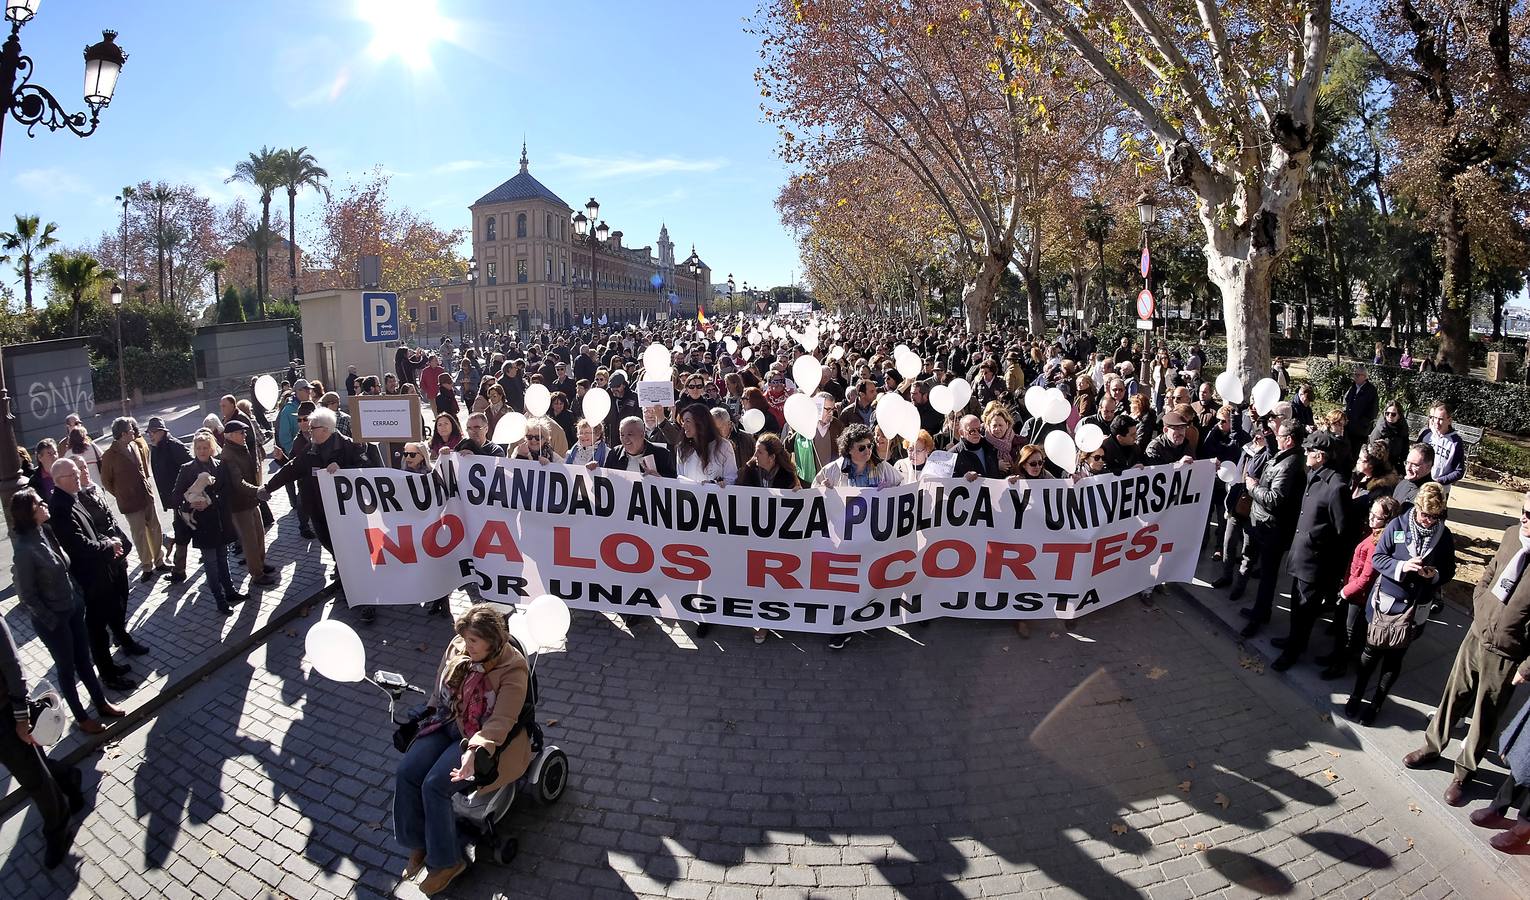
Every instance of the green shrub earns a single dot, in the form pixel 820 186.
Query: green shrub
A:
pixel 1503 407
pixel 152 371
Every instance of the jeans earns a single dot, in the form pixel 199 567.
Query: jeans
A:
pixel 70 645
pixel 215 561
pixel 422 797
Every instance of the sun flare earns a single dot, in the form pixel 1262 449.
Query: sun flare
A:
pixel 406 30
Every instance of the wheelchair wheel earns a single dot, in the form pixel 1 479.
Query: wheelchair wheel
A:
pixel 554 779
pixel 504 854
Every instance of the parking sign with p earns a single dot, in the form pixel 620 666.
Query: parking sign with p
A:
pixel 379 316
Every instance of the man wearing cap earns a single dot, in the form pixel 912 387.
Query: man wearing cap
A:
pixel 561 381
pixel 245 476
pixel 166 456
pixel 1171 446
pixel 128 477
pixel 1493 657
pixel 1318 556
pixel 624 404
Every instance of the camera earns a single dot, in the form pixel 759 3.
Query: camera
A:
pixel 390 680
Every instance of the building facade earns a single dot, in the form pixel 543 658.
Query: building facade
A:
pixel 534 271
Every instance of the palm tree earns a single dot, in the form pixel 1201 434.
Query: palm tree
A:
pixel 127 196
pixel 264 171
pixel 170 237
pixel 75 274
pixel 216 268
pixel 299 170
pixel 161 195
pixel 30 237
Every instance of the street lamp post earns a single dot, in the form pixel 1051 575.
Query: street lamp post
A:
pixel 585 227
pixel 32 105
pixel 730 290
pixel 1147 212
pixel 695 269
pixel 472 296
pixel 121 364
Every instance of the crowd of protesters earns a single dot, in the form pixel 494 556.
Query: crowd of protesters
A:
pixel 1348 511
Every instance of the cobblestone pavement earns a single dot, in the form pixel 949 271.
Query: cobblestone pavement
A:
pixel 1138 755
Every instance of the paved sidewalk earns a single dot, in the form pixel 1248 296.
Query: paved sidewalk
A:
pixel 1399 727
pixel 180 623
pixel 1137 755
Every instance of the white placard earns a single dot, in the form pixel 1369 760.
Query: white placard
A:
pixel 656 393
pixel 939 464
pixel 389 418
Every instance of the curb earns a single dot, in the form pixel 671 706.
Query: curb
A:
pixel 145 712
pixel 1390 766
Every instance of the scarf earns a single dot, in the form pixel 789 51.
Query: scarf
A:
pixel 1421 540
pixel 1504 585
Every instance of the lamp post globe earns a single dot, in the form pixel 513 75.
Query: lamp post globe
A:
pixel 602 232
pixel 1147 210
pixel 103 63
pixel 581 224
pixel 20 11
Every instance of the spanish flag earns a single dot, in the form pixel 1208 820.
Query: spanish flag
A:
pixel 700 316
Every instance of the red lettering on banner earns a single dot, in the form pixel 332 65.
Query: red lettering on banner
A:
pixel 563 555
pixel 1144 542
pixel 1107 552
pixel 378 544
pixel 966 559
pixel 455 532
pixel 1014 558
pixel 1065 553
pixel 877 576
pixel 610 554
pixel 827 565
pixel 496 540
pixel 762 564
pixel 687 562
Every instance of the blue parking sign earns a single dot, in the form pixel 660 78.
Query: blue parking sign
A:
pixel 379 316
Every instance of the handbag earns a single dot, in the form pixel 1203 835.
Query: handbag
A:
pixel 1243 507
pixel 1390 630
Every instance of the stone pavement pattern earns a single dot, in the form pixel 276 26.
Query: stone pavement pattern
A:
pixel 1135 756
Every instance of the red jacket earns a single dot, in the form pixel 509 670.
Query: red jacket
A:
pixel 1357 583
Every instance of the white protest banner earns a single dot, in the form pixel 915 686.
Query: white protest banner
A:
pixel 656 393
pixel 826 561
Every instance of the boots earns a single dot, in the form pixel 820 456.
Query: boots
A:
pixel 1239 585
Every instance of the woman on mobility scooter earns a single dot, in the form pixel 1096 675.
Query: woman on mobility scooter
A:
pixel 478 694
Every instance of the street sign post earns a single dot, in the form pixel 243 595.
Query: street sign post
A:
pixel 379 316
pixel 460 317
pixel 1146 306
pixel 1147 262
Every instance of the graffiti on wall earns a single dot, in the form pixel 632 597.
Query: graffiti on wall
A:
pixel 56 399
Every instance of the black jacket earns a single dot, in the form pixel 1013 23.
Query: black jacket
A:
pixel 1278 496
pixel 983 460
pixel 1318 551
pixel 165 460
pixel 89 550
pixel 1395 436
pixel 750 475
pixel 1119 458
pixel 663 458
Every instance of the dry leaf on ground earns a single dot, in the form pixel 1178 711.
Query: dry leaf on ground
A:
pixel 1184 787
pixel 1252 664
pixel 1156 673
pixel 1331 775
pixel 1200 845
pixel 1190 764
pixel 1117 828
pixel 1414 808
pixel 1333 753
pixel 1222 800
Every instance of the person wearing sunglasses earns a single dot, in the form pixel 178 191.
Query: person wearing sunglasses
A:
pixel 537 445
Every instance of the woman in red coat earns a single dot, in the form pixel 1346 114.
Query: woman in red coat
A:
pixel 1358 582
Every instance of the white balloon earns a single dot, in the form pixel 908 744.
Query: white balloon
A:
pixel 802 414
pixel 267 391
pixel 549 619
pixel 753 420
pixel 1057 407
pixel 755 337
pixel 898 417
pixel 519 626
pixel 961 393
pixel 1036 401
pixel 1061 450
pixel 1230 388
pixel 902 349
pixel 335 651
pixel 810 338
pixel 1089 437
pixel 1228 472
pixel 731 344
pixel 510 429
pixel 837 353
pixel 538 399
pixel 656 359
pixel 1266 394
pixel 748 353
pixel 807 372
pixel 909 365
pixel 597 403
pixel 940 399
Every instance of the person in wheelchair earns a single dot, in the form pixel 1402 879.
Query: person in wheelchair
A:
pixel 469 739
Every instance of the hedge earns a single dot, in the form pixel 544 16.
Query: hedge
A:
pixel 1502 407
pixel 150 371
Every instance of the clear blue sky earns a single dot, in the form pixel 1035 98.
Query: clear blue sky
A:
pixel 650 107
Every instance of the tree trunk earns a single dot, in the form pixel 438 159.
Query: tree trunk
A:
pixel 1245 284
pixel 264 263
pixel 978 293
pixel 292 240
pixel 1456 289
pixel 1035 303
pixel 1499 298
pixel 26 279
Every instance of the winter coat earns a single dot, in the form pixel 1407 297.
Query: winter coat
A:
pixel 125 473
pixel 1395 436
pixel 1316 552
pixel 1278 496
pixel 1503 628
pixel 86 546
pixel 751 475
pixel 1392 551
pixel 1361 575
pixel 40 572
pixel 968 459
pixel 211 528
pixel 244 477
pixel 166 459
pixel 509 680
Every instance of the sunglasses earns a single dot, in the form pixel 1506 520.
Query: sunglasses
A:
pixel 413 455
pixel 1095 457
pixel 861 448
pixel 1034 464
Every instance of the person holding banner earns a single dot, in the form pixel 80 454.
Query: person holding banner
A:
pixel 537 444
pixel 586 448
pixel 635 453
pixel 447 435
pixel 478 436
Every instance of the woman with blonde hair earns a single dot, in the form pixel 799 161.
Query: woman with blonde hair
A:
pixel 999 432
pixel 911 467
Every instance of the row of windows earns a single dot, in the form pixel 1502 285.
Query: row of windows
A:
pixel 491 227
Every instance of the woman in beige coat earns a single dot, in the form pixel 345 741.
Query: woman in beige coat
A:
pixel 479 690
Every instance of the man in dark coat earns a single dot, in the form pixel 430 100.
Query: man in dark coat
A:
pixel 1277 496
pixel 634 447
pixel 1493 657
pixel 1318 556
pixel 1121 445
pixel 1360 402
pixel 166 456
pixel 94 556
pixel 974 455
